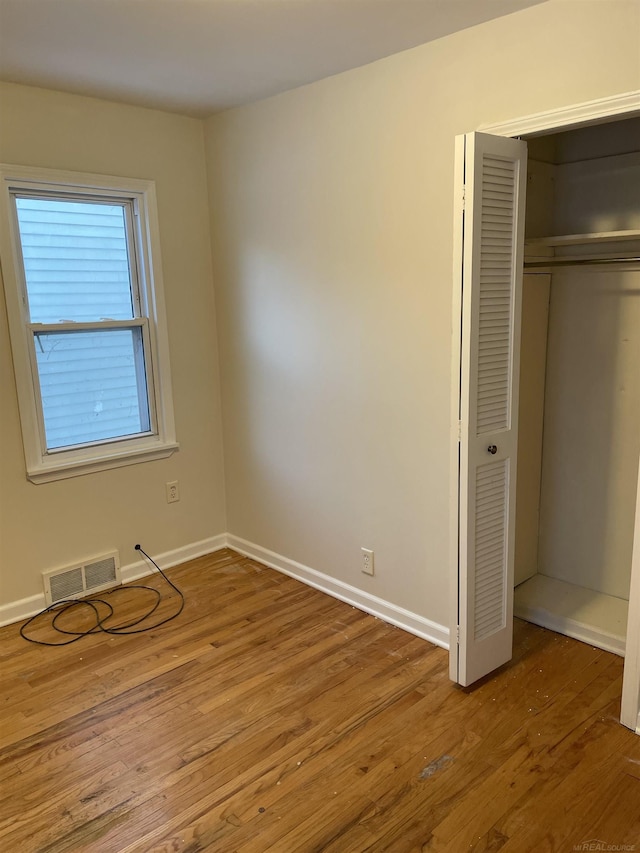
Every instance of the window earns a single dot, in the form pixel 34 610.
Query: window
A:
pixel 84 298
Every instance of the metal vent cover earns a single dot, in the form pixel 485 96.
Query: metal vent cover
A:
pixel 76 581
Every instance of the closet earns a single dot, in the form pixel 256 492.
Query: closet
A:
pixel 579 407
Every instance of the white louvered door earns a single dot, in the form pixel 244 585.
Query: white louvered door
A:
pixel 491 233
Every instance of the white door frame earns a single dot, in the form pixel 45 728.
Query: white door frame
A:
pixel 624 105
pixel 630 710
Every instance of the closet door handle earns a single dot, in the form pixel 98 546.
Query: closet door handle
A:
pixel 492 449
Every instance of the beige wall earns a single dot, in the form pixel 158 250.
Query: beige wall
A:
pixel 332 223
pixel 52 524
pixel 331 219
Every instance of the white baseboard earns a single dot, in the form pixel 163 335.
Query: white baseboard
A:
pixel 590 634
pixel 385 610
pixel 575 611
pixel 142 568
pixel 16 611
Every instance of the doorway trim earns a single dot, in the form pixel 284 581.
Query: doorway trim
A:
pixel 625 105
pixel 599 111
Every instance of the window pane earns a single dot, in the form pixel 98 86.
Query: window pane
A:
pixel 75 260
pixel 93 385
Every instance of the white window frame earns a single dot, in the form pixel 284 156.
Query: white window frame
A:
pixel 44 465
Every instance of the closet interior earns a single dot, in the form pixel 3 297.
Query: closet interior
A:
pixel 579 409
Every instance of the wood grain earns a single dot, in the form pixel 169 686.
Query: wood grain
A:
pixel 270 717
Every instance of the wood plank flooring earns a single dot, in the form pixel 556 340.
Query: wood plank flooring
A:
pixel 270 717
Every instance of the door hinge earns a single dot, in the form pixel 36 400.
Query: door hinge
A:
pixel 459 430
pixel 457 635
pixel 464 197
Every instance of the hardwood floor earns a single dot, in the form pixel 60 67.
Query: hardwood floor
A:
pixel 270 717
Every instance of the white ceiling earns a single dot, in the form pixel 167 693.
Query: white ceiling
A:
pixel 201 56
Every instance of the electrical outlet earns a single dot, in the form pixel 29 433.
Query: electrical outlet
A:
pixel 367 561
pixel 173 492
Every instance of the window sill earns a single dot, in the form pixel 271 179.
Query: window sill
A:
pixel 63 469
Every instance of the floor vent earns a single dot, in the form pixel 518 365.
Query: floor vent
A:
pixel 76 581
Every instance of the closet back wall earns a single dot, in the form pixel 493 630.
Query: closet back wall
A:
pixel 591 435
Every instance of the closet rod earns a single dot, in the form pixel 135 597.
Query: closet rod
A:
pixel 578 262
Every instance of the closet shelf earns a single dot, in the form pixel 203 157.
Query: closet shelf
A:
pixel 599 247
pixel 584 239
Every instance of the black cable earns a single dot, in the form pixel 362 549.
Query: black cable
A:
pixel 100 625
